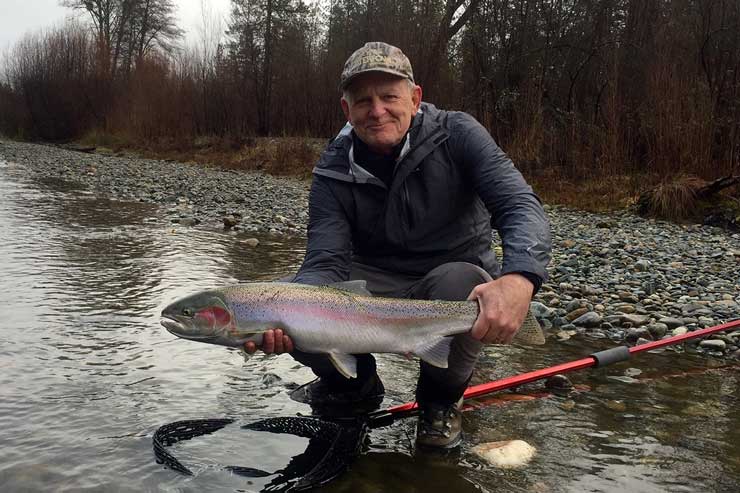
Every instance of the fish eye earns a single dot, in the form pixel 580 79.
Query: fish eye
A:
pixel 188 312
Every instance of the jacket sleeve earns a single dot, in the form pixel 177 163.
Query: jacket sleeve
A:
pixel 516 212
pixel 328 251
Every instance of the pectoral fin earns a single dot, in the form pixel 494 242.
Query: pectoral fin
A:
pixel 346 364
pixel 435 351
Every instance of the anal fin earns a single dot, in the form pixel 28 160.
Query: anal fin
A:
pixel 435 351
pixel 346 364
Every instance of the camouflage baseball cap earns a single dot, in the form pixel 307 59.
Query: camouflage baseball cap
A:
pixel 376 57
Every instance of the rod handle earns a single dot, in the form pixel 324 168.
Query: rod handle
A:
pixel 612 355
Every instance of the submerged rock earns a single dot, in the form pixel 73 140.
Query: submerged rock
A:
pixel 508 454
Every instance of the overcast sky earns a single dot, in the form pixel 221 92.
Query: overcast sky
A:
pixel 20 16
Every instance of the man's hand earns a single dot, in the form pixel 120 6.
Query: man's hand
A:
pixel 273 342
pixel 503 306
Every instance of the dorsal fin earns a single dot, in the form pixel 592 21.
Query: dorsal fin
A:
pixel 356 287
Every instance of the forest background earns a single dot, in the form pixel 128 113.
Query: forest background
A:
pixel 594 100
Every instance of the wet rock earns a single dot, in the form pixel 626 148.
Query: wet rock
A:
pixel 679 331
pixel 250 242
pixel 622 379
pixel 671 322
pixel 657 330
pixel 558 382
pixel 625 308
pixel 231 221
pixel 541 311
pixel 713 344
pixel 642 265
pixel 576 313
pixel 634 319
pixel 509 454
pixel 588 319
pixel 618 406
pixel 634 334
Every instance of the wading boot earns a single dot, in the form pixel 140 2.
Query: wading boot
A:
pixel 439 426
pixel 344 399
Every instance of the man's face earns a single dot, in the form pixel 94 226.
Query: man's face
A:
pixel 381 109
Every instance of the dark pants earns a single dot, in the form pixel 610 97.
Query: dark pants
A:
pixel 452 281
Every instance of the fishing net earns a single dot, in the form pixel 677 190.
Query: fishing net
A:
pixel 172 433
pixel 331 448
pixel 332 445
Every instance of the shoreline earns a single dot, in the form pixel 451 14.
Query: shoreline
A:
pixel 614 275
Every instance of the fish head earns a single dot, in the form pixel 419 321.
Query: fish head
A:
pixel 209 317
pixel 200 317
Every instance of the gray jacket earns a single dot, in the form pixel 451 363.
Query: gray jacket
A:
pixel 451 184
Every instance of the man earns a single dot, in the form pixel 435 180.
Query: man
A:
pixel 404 198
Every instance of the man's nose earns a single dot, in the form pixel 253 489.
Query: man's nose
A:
pixel 377 109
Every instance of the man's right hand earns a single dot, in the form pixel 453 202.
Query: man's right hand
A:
pixel 274 341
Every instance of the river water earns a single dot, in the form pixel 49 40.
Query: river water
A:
pixel 87 375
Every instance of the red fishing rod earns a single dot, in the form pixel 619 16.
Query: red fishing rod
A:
pixel 598 359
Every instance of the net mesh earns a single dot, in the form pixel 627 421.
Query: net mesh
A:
pixel 332 445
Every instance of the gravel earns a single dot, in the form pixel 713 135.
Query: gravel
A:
pixel 616 275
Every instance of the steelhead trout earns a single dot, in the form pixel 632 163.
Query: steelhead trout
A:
pixel 340 320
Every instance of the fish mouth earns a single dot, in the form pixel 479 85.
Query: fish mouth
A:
pixel 175 327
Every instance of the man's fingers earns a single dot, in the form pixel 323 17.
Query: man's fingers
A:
pixel 268 342
pixel 480 329
pixel 278 338
pixel 274 341
pixel 287 344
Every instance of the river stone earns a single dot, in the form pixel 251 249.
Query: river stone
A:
pixel 250 242
pixel 671 322
pixel 714 344
pixel 657 330
pixel 563 335
pixel 576 313
pixel 690 308
pixel 634 334
pixel 679 331
pixel 568 243
pixel 625 308
pixel 573 305
pixel 509 454
pixel 628 297
pixel 642 265
pixel 589 319
pixel 231 221
pixel 618 406
pixel 541 311
pixel 622 379
pixel 635 320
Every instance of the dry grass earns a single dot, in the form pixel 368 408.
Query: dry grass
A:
pixel 596 194
pixel 674 198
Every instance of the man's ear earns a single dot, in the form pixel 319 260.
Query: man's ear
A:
pixel 345 108
pixel 416 97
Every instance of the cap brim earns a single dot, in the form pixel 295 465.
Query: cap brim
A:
pixel 350 79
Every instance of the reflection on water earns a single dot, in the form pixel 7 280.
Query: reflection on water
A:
pixel 87 374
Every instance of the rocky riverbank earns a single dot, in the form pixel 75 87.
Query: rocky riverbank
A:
pixel 615 276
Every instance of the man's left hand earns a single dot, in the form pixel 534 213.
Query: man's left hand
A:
pixel 503 306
